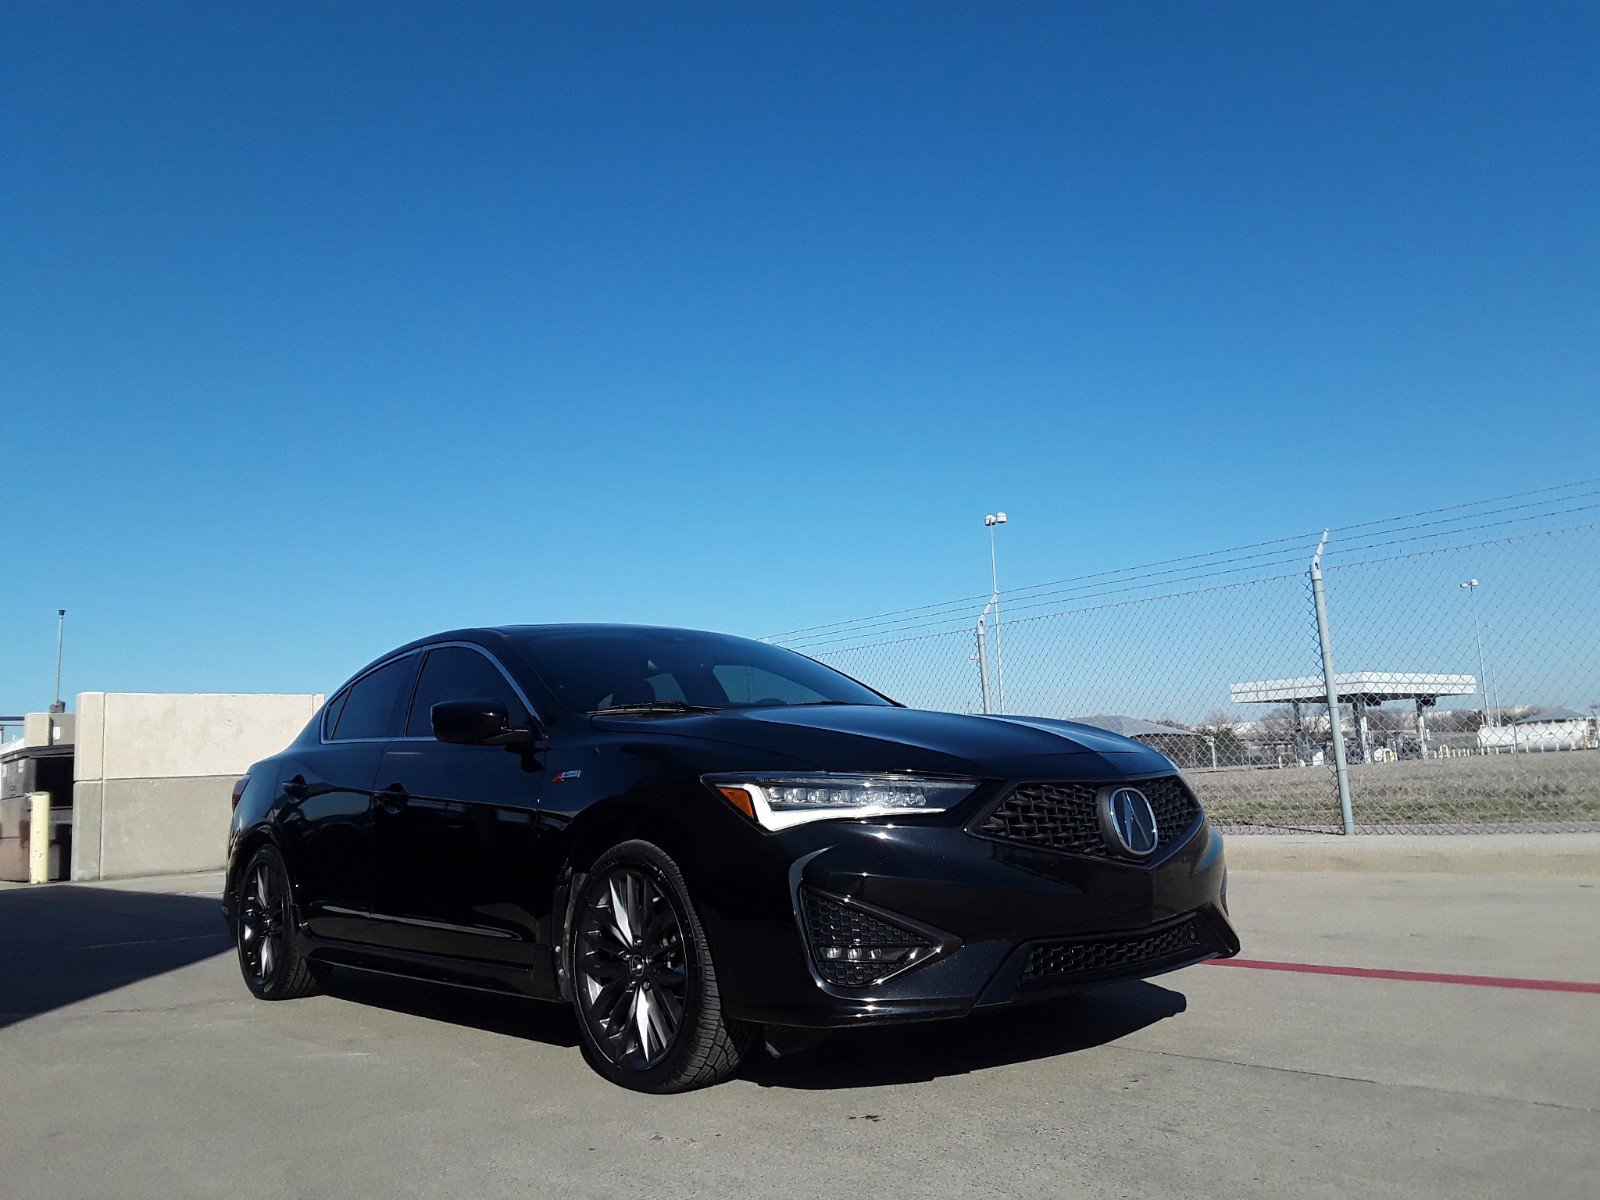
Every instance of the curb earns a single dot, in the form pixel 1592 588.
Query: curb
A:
pixel 1419 854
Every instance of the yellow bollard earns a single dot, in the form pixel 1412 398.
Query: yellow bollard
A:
pixel 39 837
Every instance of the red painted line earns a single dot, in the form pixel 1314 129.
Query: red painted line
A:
pixel 1494 981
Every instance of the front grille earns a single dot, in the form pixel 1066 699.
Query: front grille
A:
pixel 1066 816
pixel 1066 960
pixel 851 948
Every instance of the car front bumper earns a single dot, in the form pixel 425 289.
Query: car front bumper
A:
pixel 1012 923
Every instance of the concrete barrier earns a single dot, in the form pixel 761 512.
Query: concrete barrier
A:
pixel 153 775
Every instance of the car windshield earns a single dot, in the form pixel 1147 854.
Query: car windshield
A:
pixel 670 670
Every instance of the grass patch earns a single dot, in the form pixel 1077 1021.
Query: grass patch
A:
pixel 1505 790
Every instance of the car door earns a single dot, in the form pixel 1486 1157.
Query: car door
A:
pixel 458 837
pixel 326 820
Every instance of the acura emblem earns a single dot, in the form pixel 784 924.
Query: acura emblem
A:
pixel 1127 821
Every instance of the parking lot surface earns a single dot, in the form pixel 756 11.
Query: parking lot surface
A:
pixel 135 1065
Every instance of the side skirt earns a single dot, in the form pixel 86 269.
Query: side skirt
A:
pixel 535 983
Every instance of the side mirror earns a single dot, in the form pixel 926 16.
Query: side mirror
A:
pixel 477 723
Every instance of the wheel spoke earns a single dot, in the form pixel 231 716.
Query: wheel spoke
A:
pixel 603 967
pixel 620 915
pixel 662 926
pixel 634 894
pixel 660 1028
pixel 610 999
pixel 604 939
pixel 641 1022
pixel 671 1008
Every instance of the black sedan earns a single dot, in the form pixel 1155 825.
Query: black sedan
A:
pixel 700 841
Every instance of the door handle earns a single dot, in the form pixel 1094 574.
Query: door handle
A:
pixel 297 788
pixel 394 797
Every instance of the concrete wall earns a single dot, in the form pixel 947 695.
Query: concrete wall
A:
pixel 154 774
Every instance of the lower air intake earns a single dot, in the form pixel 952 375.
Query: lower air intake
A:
pixel 851 948
pixel 1071 959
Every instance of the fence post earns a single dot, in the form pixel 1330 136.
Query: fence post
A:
pixel 39 837
pixel 983 659
pixel 1330 685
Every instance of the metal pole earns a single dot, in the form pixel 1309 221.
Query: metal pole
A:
pixel 983 658
pixel 999 643
pixel 61 631
pixel 1492 682
pixel 1483 675
pixel 1341 769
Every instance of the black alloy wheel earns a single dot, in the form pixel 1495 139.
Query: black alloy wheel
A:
pixel 643 981
pixel 269 958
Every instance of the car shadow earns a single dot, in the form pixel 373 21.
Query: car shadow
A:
pixel 848 1058
pixel 900 1054
pixel 492 1012
pixel 60 943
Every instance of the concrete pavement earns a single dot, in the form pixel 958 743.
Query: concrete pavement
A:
pixel 1408 853
pixel 136 1065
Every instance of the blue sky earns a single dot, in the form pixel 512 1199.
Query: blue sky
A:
pixel 325 326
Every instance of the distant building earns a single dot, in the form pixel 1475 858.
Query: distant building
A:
pixel 1541 729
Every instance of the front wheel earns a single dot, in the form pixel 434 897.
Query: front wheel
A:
pixel 269 956
pixel 644 985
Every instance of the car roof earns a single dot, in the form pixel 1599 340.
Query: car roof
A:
pixel 497 635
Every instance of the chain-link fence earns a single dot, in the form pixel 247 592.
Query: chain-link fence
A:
pixel 1464 645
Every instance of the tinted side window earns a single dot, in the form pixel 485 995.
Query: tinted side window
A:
pixel 330 716
pixel 374 705
pixel 752 685
pixel 456 673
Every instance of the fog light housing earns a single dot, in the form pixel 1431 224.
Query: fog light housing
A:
pixel 854 948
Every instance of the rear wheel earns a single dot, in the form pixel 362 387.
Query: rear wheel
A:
pixel 644 984
pixel 269 955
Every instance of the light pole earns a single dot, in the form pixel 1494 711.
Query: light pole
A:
pixel 1471 587
pixel 59 705
pixel 993 520
pixel 1492 683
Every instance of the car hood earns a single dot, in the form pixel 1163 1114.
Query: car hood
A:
pixel 881 738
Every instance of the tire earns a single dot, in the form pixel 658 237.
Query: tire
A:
pixel 264 933
pixel 643 983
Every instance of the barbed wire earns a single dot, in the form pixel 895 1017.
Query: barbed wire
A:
pixel 1273 550
pixel 1068 596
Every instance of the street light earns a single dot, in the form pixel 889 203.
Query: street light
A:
pixel 1471 587
pixel 59 705
pixel 993 520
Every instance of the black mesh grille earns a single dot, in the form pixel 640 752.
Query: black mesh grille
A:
pixel 1064 816
pixel 1085 958
pixel 834 927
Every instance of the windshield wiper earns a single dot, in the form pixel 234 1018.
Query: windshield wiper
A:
pixel 646 707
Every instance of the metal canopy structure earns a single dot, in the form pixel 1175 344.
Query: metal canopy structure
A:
pixel 1360 690
pixel 1133 727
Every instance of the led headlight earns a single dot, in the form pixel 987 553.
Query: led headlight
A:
pixel 779 801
